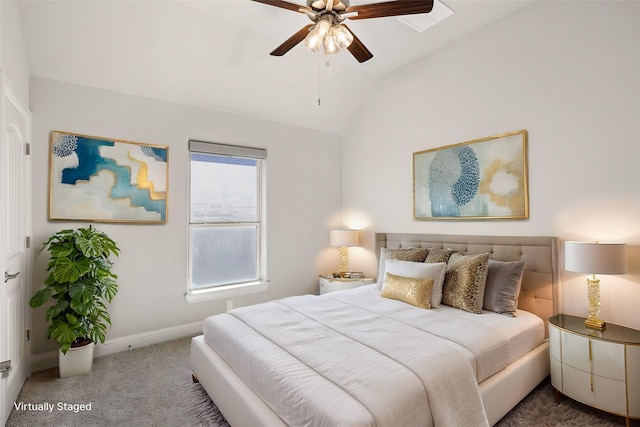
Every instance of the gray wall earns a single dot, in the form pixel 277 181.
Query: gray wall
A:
pixel 13 56
pixel 569 73
pixel 303 202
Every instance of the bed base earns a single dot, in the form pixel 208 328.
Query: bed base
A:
pixel 242 407
pixel 237 402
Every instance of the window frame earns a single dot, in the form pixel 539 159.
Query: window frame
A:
pixel 261 284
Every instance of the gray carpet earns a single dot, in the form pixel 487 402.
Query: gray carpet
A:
pixel 152 386
pixel 540 409
pixel 149 386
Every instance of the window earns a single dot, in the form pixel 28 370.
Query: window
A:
pixel 226 227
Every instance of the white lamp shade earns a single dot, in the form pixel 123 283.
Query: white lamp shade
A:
pixel 343 238
pixel 595 258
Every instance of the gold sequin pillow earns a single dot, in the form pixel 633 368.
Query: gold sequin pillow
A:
pixel 404 254
pixel 439 255
pixel 408 289
pixel 465 281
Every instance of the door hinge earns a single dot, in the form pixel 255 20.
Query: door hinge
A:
pixel 27 148
pixel 28 242
pixel 28 335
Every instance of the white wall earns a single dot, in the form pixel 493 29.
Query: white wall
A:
pixel 13 56
pixel 303 201
pixel 569 73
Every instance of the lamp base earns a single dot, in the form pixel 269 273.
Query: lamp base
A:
pixel 593 289
pixel 343 266
pixel 595 323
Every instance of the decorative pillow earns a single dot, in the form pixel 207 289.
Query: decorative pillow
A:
pixel 503 286
pixel 408 289
pixel 439 255
pixel 465 281
pixel 408 254
pixel 421 270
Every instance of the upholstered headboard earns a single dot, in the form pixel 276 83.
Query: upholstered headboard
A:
pixel 539 292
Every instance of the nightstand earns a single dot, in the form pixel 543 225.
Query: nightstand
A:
pixel 598 368
pixel 331 284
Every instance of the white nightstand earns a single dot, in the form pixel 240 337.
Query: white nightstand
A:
pixel 332 284
pixel 598 368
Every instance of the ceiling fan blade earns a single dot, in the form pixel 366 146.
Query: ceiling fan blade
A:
pixel 391 8
pixel 283 4
pixel 292 41
pixel 357 49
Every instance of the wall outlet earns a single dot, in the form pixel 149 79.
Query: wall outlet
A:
pixel 230 305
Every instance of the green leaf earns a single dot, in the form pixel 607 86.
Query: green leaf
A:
pixel 57 309
pixel 68 271
pixel 61 251
pixel 64 335
pixel 91 247
pixel 110 290
pixel 40 298
pixel 79 306
pixel 64 348
pixel 106 316
pixel 98 335
pixel 71 318
pixel 82 292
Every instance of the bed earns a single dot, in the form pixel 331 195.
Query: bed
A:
pixel 350 357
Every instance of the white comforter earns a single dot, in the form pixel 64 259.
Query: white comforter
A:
pixel 356 359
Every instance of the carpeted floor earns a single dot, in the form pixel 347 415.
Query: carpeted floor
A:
pixel 152 386
pixel 149 386
pixel 540 409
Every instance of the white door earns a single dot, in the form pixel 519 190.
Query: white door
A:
pixel 15 223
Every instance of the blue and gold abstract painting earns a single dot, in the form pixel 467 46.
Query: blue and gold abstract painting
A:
pixel 107 180
pixel 484 178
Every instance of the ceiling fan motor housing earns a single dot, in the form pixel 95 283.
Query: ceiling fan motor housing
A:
pixel 336 5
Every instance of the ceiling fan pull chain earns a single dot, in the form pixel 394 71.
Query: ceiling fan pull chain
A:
pixel 319 74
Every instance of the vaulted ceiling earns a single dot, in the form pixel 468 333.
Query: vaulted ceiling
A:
pixel 215 53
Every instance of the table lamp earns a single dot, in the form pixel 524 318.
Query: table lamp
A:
pixel 343 239
pixel 595 258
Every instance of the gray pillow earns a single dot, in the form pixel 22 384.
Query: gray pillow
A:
pixel 503 286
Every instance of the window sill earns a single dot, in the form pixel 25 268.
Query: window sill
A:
pixel 226 291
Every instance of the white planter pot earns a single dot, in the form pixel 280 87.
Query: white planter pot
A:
pixel 77 361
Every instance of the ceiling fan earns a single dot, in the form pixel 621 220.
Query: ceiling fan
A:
pixel 327 30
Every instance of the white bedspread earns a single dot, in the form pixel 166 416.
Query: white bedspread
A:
pixel 354 358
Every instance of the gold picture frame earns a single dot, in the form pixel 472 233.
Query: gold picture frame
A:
pixel 107 180
pixel 481 179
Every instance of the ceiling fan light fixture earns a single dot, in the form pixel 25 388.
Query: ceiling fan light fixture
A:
pixel 342 36
pixel 322 28
pixel 313 41
pixel 330 45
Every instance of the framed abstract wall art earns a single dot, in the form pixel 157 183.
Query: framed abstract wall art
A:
pixel 480 179
pixel 107 180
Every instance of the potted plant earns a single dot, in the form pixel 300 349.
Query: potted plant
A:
pixel 81 283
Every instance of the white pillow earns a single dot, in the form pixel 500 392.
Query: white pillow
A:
pixel 405 254
pixel 421 270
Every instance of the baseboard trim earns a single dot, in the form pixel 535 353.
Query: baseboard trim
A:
pixel 50 359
